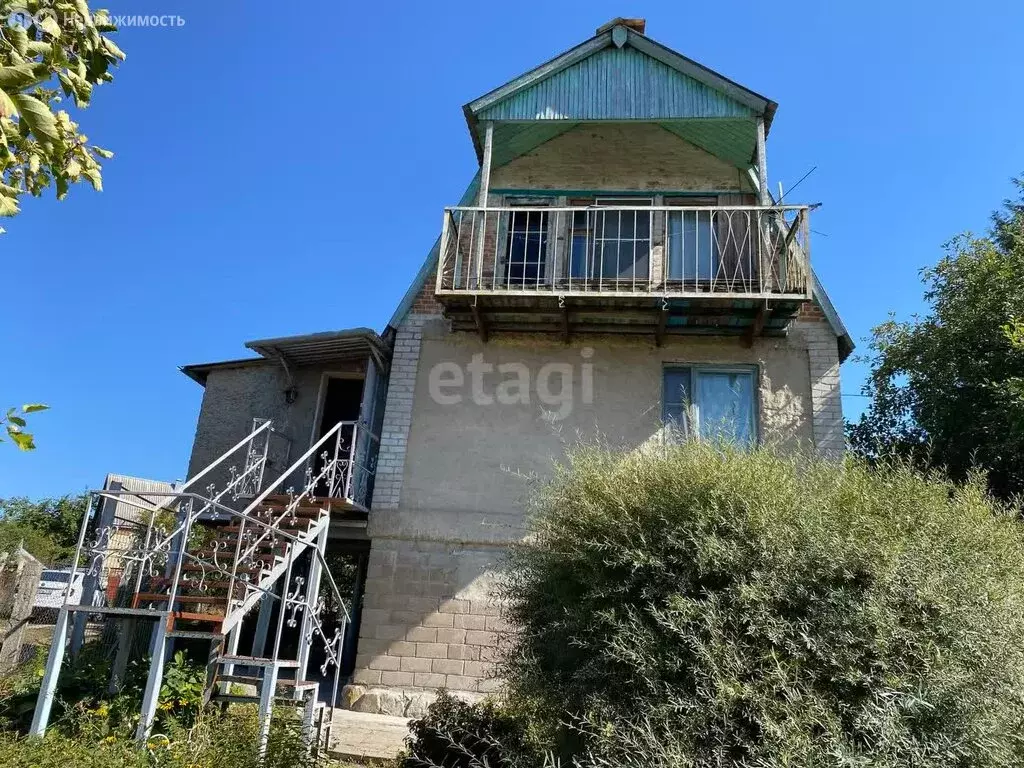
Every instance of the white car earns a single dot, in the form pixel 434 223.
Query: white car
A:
pixel 52 585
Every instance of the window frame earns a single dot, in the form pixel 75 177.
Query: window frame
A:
pixel 590 207
pixel 694 369
pixel 504 231
pixel 682 203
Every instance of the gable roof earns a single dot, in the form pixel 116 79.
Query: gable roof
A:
pixel 640 80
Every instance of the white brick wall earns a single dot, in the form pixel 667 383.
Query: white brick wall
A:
pixel 425 624
pixel 398 413
pixel 826 403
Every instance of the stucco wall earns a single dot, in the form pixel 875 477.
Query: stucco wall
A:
pixel 622 157
pixel 468 464
pixel 235 396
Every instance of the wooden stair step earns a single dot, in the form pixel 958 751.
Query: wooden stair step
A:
pixel 257 661
pixel 187 634
pixel 281 499
pixel 241 569
pixel 261 545
pixel 215 618
pixel 298 525
pixel 231 698
pixel 300 511
pixel 282 682
pixel 156 597
pixel 164 581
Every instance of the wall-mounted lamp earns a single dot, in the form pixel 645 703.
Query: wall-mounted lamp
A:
pixel 291 395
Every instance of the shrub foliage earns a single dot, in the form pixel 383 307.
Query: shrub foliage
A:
pixel 701 606
pixel 455 734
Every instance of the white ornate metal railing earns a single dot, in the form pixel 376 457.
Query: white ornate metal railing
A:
pixel 738 251
pixel 299 595
pixel 182 554
pixel 332 482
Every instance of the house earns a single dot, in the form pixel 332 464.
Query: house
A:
pixel 617 267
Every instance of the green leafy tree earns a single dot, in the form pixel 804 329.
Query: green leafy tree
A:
pixel 50 50
pixel 48 528
pixel 947 389
pixel 14 423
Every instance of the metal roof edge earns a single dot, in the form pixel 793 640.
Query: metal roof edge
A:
pixel 371 334
pixel 712 79
pixel 550 67
pixel 197 371
pixel 428 265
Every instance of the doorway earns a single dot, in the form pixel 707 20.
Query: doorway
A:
pixel 341 400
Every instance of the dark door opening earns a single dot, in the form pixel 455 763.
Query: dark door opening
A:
pixel 347 561
pixel 342 402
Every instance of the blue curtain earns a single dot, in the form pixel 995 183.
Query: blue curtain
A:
pixel 690 255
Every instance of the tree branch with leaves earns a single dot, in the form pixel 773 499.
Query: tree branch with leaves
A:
pixel 50 50
pixel 14 423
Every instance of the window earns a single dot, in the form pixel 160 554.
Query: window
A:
pixel 711 402
pixel 691 252
pixel 526 247
pixel 611 245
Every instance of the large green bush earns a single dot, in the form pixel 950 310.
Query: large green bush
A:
pixel 700 606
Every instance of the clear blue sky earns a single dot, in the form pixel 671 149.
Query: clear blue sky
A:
pixel 282 169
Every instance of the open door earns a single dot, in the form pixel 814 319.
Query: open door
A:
pixel 371 418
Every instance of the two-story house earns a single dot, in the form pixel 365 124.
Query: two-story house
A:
pixel 617 269
pixel 618 263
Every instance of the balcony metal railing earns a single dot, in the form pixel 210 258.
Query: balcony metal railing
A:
pixel 740 251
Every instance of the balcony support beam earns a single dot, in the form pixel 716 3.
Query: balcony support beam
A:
pixel 756 326
pixel 762 165
pixel 485 190
pixel 485 164
pixel 481 325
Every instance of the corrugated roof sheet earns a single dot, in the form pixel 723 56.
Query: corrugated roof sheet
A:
pixel 132 509
pixel 307 349
pixel 352 344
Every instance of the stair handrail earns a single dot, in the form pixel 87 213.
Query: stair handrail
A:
pixel 268 424
pixel 236 480
pixel 248 518
pixel 174 494
pixel 311 483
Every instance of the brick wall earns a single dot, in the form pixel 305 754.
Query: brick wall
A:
pixel 826 401
pixel 425 625
pixel 426 302
pixel 428 619
pixel 398 413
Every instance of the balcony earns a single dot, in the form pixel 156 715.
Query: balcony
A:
pixel 740 270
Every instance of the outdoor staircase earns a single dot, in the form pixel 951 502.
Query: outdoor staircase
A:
pixel 252 559
pixel 227 569
pixel 196 565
